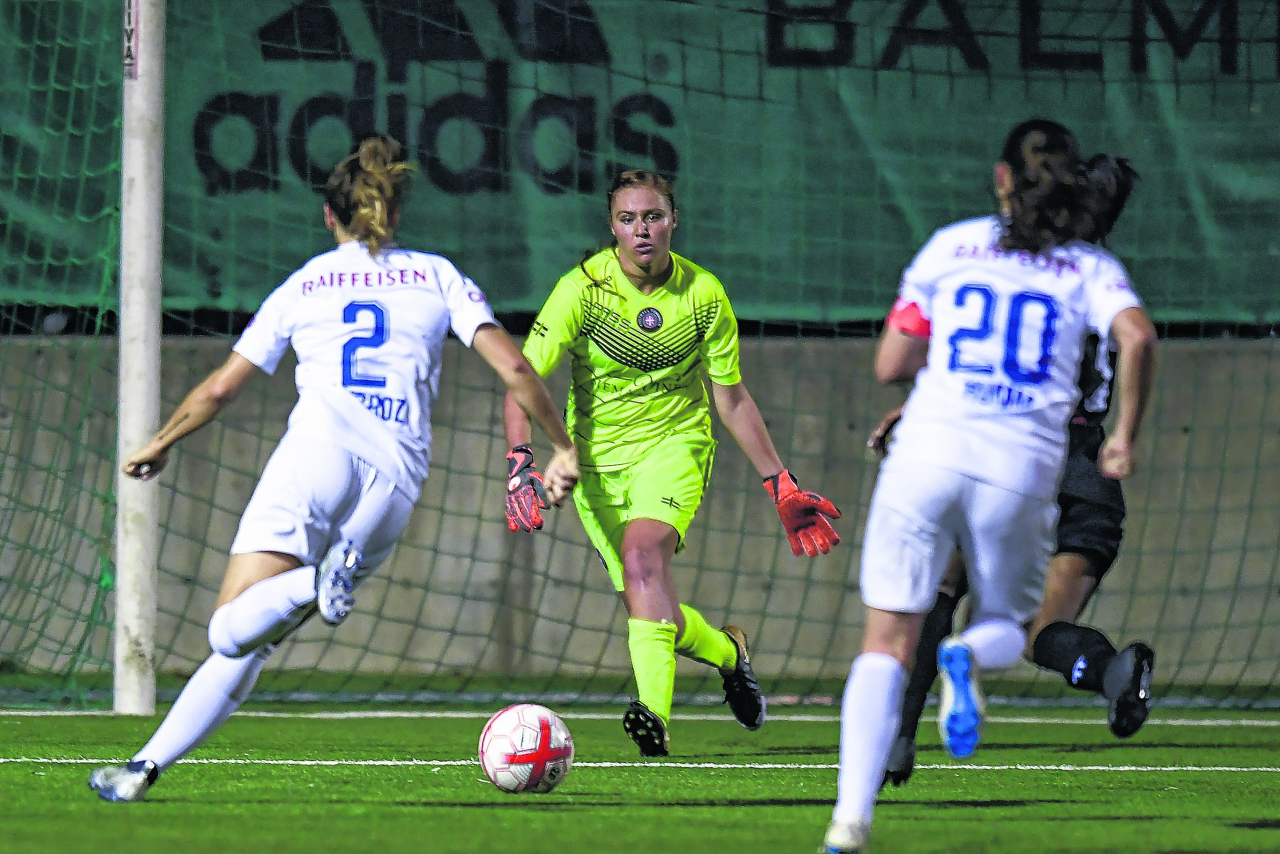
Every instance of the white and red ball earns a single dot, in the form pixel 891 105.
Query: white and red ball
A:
pixel 526 748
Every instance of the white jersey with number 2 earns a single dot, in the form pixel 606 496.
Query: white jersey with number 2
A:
pixel 1007 331
pixel 368 334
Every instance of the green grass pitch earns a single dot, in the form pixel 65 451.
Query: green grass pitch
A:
pixel 1044 782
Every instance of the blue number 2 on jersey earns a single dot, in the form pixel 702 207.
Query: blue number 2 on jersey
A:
pixel 377 338
pixel 1013 332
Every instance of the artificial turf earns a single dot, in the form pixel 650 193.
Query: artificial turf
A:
pixel 1078 788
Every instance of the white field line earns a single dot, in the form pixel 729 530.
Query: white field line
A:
pixel 608 716
pixel 727 766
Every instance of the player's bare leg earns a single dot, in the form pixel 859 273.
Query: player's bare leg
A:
pixel 661 627
pixel 265 595
pixel 869 717
pixel 246 570
pixel 1084 656
pixel 655 621
pixel 1068 586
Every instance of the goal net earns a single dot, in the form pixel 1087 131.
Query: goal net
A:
pixel 815 146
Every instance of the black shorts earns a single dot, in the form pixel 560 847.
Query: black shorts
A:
pixel 1090 506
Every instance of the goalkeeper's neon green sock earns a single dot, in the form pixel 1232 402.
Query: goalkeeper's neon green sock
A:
pixel 703 643
pixel 653 658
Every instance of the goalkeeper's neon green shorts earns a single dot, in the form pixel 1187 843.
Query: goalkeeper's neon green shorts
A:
pixel 667 485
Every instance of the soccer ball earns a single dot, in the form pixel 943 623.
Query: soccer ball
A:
pixel 526 748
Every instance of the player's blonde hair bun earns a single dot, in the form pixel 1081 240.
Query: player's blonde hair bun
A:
pixel 366 189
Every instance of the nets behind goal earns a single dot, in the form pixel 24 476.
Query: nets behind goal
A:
pixel 814 149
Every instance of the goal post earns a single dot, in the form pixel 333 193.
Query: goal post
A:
pixel 141 230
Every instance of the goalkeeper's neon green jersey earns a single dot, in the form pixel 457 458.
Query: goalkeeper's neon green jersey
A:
pixel 637 360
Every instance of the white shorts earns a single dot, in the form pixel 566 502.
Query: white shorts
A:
pixel 920 514
pixel 313 495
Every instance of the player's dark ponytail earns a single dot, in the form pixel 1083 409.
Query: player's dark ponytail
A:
pixel 629 178
pixel 1047 204
pixel 1110 182
pixel 367 188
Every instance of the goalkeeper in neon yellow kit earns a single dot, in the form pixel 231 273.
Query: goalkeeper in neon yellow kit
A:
pixel 641 326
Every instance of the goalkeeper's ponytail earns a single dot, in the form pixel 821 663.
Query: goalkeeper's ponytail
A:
pixel 623 180
pixel 367 188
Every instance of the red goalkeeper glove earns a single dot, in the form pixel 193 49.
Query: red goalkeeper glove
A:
pixel 526 497
pixel 804 515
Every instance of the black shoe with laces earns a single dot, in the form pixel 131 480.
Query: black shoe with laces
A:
pixel 646 729
pixel 902 761
pixel 1127 686
pixel 741 690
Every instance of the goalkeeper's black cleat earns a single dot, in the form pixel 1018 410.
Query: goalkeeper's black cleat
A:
pixel 1126 684
pixel 741 690
pixel 124 783
pixel 646 729
pixel 902 761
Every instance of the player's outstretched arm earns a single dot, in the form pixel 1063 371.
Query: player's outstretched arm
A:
pixel 197 409
pixel 804 514
pixel 1135 339
pixel 527 396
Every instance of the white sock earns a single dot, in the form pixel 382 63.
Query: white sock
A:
pixel 264 613
pixel 996 643
pixel 214 691
pixel 869 720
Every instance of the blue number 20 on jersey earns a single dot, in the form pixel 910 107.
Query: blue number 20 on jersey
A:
pixel 1018 323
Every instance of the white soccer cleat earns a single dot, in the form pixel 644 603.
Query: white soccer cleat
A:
pixel 962 707
pixel 124 783
pixel 336 579
pixel 846 837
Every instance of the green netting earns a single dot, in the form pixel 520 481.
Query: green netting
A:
pixel 815 147
pixel 815 144
pixel 59 182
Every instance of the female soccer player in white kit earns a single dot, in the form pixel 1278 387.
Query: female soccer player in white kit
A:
pixel 991 321
pixel 367 321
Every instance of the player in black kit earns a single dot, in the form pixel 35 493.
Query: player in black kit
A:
pixel 1090 526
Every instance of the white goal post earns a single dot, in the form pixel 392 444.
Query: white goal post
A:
pixel 141 231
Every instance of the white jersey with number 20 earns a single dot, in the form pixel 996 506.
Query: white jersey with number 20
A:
pixel 368 334
pixel 1007 332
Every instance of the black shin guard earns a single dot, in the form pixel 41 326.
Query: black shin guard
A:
pixel 1079 653
pixel 937 626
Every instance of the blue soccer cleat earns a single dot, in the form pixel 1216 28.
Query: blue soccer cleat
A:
pixel 336 579
pixel 962 707
pixel 124 783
